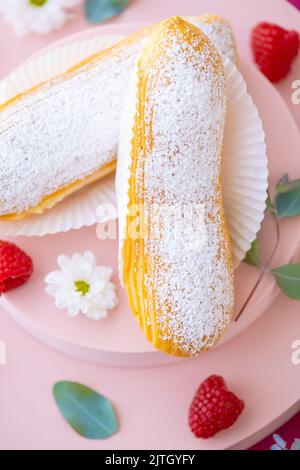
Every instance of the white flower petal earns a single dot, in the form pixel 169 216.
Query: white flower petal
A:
pixel 51 289
pixel 85 272
pixel 98 286
pixel 101 295
pixel 90 258
pixel 26 17
pixel 77 259
pixel 106 300
pixel 71 3
pixel 96 314
pixel 73 310
pixel 55 277
pixel 84 304
pixel 80 269
pixel 62 298
pixel 64 262
pixel 74 294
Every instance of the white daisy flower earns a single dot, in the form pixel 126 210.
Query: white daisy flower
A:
pixel 82 286
pixel 38 16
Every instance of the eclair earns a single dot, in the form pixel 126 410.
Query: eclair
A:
pixel 175 254
pixel 63 134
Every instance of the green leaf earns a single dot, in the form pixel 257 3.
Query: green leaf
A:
pixel 100 10
pixel 288 197
pixel 288 279
pixel 252 257
pixel 282 182
pixel 90 414
pixel 285 184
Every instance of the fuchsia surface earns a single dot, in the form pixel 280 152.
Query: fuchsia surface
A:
pixel 32 368
pixel 296 3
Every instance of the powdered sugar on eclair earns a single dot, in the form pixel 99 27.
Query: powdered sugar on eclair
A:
pixel 60 136
pixel 63 131
pixel 220 32
pixel 181 294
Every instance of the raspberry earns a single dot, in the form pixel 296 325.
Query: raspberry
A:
pixel 15 266
pixel 213 408
pixel 274 50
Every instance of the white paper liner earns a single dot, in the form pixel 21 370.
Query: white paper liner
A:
pixel 244 166
pixel 52 63
pixel 244 157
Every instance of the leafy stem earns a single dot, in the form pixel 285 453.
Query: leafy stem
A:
pixel 286 204
pixel 264 268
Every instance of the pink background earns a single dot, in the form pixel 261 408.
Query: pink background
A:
pixel 29 418
pixel 291 429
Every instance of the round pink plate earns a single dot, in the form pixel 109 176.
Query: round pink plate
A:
pixel 118 339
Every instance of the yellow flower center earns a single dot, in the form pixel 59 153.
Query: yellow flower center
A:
pixel 38 3
pixel 82 286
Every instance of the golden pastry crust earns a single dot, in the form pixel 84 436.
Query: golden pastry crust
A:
pixel 220 32
pixel 182 297
pixel 115 53
pixel 13 204
pixel 50 201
